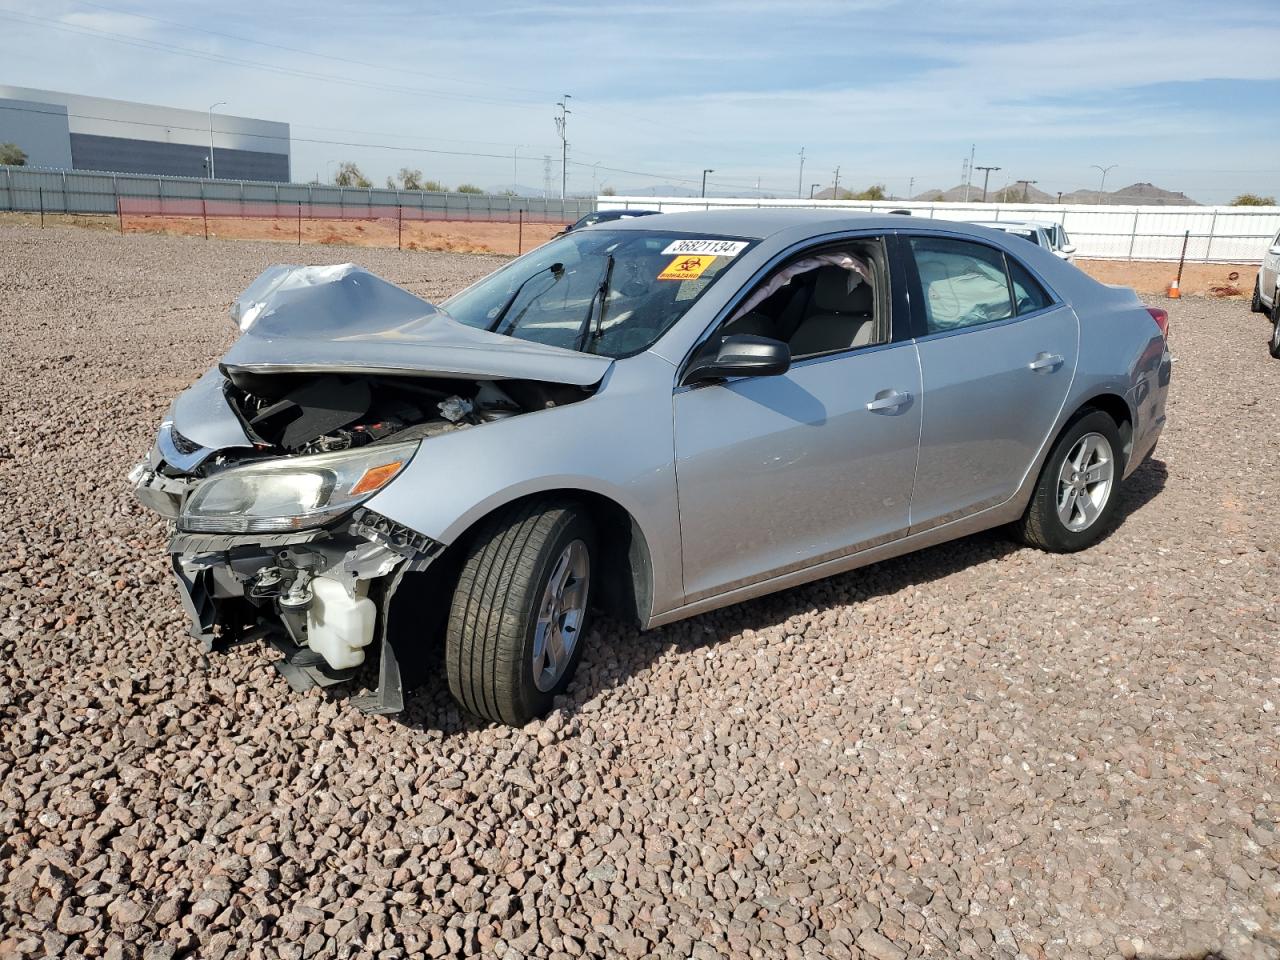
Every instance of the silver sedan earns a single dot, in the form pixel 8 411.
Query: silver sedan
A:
pixel 654 418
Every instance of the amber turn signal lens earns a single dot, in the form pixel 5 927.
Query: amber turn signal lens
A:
pixel 376 477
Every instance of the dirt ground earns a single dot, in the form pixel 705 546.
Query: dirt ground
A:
pixel 1150 278
pixel 1147 277
pixel 453 236
pixel 979 750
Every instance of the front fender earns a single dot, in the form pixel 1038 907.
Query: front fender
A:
pixel 616 444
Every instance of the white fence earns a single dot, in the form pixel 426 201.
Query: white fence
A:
pixel 1104 232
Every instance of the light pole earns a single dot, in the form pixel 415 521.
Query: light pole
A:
pixel 1026 187
pixel 813 187
pixel 986 175
pixel 835 187
pixel 800 182
pixel 515 170
pixel 220 103
pixel 968 177
pixel 327 164
pixel 595 173
pixel 704 181
pixel 562 127
pixel 1103 183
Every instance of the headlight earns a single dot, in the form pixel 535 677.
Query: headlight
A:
pixel 293 494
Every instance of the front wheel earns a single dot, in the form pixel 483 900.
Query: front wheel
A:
pixel 1255 305
pixel 1275 326
pixel 1075 498
pixel 519 610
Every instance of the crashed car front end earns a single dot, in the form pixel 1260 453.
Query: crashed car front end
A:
pixel 264 466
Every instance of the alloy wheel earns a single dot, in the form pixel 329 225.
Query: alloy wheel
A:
pixel 1085 482
pixel 560 615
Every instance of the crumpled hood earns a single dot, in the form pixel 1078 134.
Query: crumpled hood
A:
pixel 344 319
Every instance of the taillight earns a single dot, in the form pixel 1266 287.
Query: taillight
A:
pixel 1161 317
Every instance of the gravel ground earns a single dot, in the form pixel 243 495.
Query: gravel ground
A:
pixel 977 751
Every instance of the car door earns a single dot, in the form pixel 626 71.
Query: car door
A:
pixel 997 356
pixel 777 473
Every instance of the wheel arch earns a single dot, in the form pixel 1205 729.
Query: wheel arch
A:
pixel 1118 409
pixel 624 576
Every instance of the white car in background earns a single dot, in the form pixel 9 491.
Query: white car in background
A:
pixel 1042 233
pixel 1266 291
pixel 1060 243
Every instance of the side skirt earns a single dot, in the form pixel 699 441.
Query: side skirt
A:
pixel 1003 513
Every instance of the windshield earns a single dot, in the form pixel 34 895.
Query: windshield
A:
pixel 612 292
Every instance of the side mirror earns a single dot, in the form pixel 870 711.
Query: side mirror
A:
pixel 1275 248
pixel 1069 249
pixel 742 355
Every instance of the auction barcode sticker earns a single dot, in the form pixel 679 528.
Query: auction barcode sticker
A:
pixel 716 248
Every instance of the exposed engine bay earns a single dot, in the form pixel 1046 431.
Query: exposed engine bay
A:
pixel 322 413
pixel 264 465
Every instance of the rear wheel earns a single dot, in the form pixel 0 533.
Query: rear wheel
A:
pixel 1075 498
pixel 519 610
pixel 1275 324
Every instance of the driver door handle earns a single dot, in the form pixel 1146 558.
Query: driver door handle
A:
pixel 887 401
pixel 1045 361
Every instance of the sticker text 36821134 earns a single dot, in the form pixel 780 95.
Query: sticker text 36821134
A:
pixel 686 267
pixel 715 248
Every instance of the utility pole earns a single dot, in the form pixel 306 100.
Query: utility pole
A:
pixel 562 128
pixel 704 181
pixel 835 188
pixel 800 182
pixel 968 179
pixel 220 103
pixel 986 175
pixel 1026 186
pixel 1103 184
pixel 813 187
pixel 546 175
pixel 515 169
pixel 911 188
pixel 595 173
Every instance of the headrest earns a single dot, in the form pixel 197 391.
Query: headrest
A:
pixel 831 291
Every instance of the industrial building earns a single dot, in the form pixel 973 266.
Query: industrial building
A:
pixel 65 131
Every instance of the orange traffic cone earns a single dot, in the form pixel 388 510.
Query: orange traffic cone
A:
pixel 1173 292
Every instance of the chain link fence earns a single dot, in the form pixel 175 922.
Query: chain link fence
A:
pixel 32 190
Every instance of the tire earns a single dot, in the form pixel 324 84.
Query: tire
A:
pixel 1274 346
pixel 1043 525
pixel 494 627
pixel 1256 305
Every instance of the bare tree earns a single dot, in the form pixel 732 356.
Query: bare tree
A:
pixel 410 179
pixel 349 175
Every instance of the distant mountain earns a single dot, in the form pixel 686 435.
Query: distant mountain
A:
pixel 1136 193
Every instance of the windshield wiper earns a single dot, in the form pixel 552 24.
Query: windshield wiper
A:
pixel 556 269
pixel 601 294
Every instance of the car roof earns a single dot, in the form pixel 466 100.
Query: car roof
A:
pixel 1007 225
pixel 758 223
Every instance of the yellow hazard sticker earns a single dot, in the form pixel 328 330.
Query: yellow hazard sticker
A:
pixel 686 268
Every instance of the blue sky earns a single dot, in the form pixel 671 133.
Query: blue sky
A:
pixel 1185 95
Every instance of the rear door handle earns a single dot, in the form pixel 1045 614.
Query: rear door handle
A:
pixel 887 401
pixel 1045 361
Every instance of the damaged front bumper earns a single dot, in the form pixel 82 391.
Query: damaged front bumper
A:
pixel 322 596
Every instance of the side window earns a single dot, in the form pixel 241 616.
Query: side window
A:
pixel 1027 293
pixel 825 300
pixel 963 283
